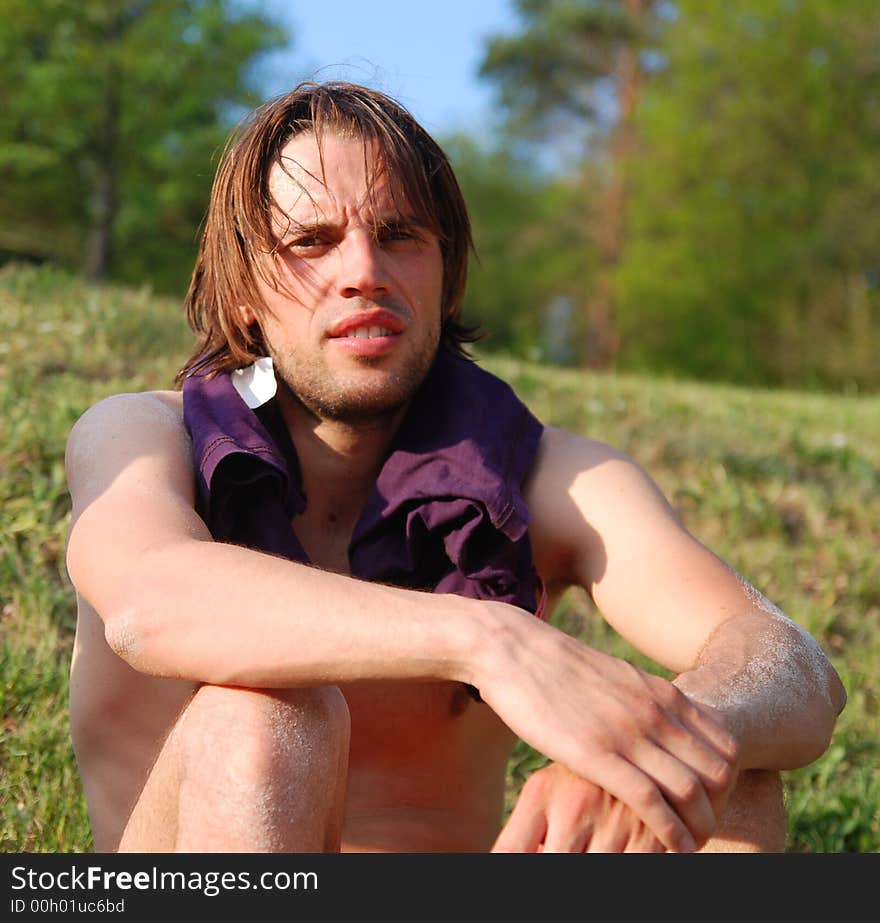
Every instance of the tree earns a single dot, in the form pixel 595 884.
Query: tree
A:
pixel 753 239
pixel 576 67
pixel 111 111
pixel 530 250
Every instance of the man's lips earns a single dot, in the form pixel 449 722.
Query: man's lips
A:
pixel 375 317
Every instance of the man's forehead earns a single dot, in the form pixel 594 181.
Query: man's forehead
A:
pixel 344 173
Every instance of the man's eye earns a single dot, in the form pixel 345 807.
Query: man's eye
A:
pixel 392 234
pixel 302 243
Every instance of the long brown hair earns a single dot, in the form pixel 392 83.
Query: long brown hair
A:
pixel 238 231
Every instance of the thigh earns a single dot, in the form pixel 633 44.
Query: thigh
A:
pixel 152 824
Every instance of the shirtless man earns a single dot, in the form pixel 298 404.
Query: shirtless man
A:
pixel 308 587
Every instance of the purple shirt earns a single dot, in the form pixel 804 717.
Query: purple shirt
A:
pixel 446 513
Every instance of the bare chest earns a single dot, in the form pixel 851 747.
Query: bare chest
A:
pixel 325 542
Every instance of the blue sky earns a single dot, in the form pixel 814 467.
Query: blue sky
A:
pixel 425 54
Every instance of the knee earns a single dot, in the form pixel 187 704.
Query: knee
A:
pixel 755 818
pixel 264 732
pixel 314 711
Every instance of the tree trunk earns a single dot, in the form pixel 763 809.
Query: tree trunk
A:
pixel 105 197
pixel 603 341
pixel 105 191
pixel 100 245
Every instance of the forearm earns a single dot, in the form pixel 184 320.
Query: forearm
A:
pixel 771 685
pixel 220 613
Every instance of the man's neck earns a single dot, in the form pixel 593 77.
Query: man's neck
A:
pixel 339 461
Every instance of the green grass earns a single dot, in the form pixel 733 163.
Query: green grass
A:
pixel 784 486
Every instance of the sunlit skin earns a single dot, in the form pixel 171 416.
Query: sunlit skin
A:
pixel 349 256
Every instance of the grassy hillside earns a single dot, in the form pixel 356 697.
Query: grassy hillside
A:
pixel 784 486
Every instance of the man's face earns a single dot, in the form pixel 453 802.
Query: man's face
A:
pixel 354 317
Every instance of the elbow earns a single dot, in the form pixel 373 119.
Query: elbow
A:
pixel 821 687
pixel 143 642
pixel 833 697
pixel 835 702
pixel 136 626
pixel 126 624
pixel 113 600
pixel 819 729
pixel 836 692
pixel 145 631
pixel 123 634
pixel 159 642
pixel 127 633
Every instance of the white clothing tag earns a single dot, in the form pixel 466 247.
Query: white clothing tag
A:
pixel 256 383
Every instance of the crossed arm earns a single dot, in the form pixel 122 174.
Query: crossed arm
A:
pixel 171 598
pixel 753 690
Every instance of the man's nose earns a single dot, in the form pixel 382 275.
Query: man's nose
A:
pixel 363 267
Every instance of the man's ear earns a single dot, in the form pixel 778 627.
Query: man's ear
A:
pixel 246 313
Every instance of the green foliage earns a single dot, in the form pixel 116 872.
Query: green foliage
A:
pixel 828 817
pixel 112 112
pixel 742 199
pixel 529 232
pixel 555 68
pixel 63 346
pixel 752 233
pixel 784 486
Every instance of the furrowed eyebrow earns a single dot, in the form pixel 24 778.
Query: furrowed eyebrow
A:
pixel 296 229
pixel 397 220
pixel 387 221
pixel 311 227
pixel 401 223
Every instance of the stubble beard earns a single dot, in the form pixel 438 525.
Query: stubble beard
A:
pixel 349 399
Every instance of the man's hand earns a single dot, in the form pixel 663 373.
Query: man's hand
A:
pixel 634 735
pixel 559 812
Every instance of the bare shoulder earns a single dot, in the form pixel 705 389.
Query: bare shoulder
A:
pixel 563 450
pixel 569 464
pixel 580 492
pixel 119 411
pixel 116 432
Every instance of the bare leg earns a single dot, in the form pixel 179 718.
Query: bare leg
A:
pixel 247 770
pixel 755 818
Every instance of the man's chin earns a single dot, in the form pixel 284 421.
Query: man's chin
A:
pixel 361 415
pixel 356 402
pixel 371 392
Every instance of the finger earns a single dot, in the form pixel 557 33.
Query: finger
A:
pixel 523 832
pixel 681 786
pixel 644 842
pixel 692 736
pixel 702 720
pixel 705 723
pixel 618 827
pixel 566 838
pixel 716 773
pixel 609 839
pixel 639 792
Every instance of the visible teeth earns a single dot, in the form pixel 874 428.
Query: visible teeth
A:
pixel 366 333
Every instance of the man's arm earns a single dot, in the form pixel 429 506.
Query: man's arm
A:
pixel 599 521
pixel 177 604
